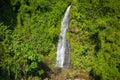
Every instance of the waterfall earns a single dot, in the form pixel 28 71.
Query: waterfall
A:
pixel 63 49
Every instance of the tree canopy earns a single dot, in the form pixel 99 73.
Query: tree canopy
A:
pixel 29 32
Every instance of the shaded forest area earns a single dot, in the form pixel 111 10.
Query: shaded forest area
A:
pixel 29 32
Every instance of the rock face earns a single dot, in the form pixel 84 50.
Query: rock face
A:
pixel 68 74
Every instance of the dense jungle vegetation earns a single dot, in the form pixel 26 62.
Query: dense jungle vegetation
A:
pixel 29 32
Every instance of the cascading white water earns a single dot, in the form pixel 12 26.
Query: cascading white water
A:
pixel 63 51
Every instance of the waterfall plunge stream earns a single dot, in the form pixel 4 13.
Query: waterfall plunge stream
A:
pixel 63 48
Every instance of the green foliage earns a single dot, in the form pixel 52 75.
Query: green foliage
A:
pixel 96 44
pixel 24 48
pixel 29 32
